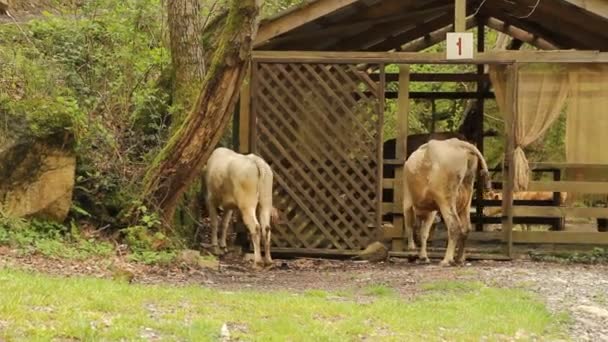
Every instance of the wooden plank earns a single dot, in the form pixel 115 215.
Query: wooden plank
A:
pixel 380 145
pixel 479 110
pixel 395 162
pixel 565 166
pixel 570 187
pixel 520 34
pixel 421 95
pixel 491 57
pixel 403 110
pixel 388 208
pixel 436 77
pixel 312 252
pixel 587 238
pixel 460 15
pixel 306 13
pixel 545 211
pixel 245 114
pixel 255 68
pixel 388 183
pixel 510 115
pixel 439 255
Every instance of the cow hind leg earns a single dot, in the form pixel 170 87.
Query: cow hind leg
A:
pixel 213 218
pixel 465 221
pixel 410 222
pixel 425 228
pixel 453 227
pixel 267 234
pixel 265 215
pixel 225 224
pixel 254 229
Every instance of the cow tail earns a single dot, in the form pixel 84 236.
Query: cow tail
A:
pixel 265 179
pixel 485 173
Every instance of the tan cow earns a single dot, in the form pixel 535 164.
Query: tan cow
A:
pixel 522 196
pixel 439 176
pixel 243 182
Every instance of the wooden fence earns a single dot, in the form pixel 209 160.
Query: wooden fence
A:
pixel 317 118
pixel 320 128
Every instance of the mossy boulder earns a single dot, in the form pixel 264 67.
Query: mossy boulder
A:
pixel 37 177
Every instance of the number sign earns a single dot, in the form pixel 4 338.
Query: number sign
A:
pixel 459 45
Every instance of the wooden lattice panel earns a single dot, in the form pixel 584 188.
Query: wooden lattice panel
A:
pixel 319 127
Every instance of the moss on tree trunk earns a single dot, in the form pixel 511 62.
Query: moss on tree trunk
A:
pixel 182 159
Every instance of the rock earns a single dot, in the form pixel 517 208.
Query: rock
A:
pixel 594 310
pixel 192 258
pixel 376 251
pixel 37 179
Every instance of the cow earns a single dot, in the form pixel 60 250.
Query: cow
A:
pixel 439 176
pixel 414 141
pixel 522 196
pixel 244 182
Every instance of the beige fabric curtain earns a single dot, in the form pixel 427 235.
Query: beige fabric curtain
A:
pixel 541 95
pixel 587 118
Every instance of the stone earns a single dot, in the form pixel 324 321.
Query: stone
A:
pixel 192 258
pixel 36 180
pixel 376 251
pixel 594 310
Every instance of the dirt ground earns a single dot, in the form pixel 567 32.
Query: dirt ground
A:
pixel 581 290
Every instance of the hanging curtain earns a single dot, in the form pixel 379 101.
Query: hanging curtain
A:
pixel 587 118
pixel 541 94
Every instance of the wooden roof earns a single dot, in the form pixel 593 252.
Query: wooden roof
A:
pixel 412 25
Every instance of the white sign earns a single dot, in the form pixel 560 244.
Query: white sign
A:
pixel 459 45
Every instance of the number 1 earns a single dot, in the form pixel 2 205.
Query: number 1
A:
pixel 459 46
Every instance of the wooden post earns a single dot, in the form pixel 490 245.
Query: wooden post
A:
pixel 244 115
pixel 460 16
pixel 479 108
pixel 403 110
pixel 380 149
pixel 251 130
pixel 509 171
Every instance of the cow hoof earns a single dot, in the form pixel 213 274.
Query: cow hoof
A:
pixel 216 250
pixel 423 260
pixel 445 263
pixel 257 266
pixel 267 262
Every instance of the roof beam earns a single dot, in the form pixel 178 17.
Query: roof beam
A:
pixel 520 34
pixel 557 38
pixel 379 34
pixel 597 7
pixel 298 17
pixel 492 57
pixel 556 14
pixel 434 37
pixel 419 30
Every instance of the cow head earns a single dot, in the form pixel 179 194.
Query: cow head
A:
pixel 277 217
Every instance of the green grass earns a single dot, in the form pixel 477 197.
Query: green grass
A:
pixel 41 307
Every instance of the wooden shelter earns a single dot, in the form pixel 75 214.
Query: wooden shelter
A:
pixel 314 107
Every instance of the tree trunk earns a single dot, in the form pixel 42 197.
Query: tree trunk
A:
pixel 187 56
pixel 187 151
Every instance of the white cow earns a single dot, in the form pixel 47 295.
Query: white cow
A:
pixel 243 182
pixel 439 175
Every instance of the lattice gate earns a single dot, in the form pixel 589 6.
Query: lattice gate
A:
pixel 319 126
